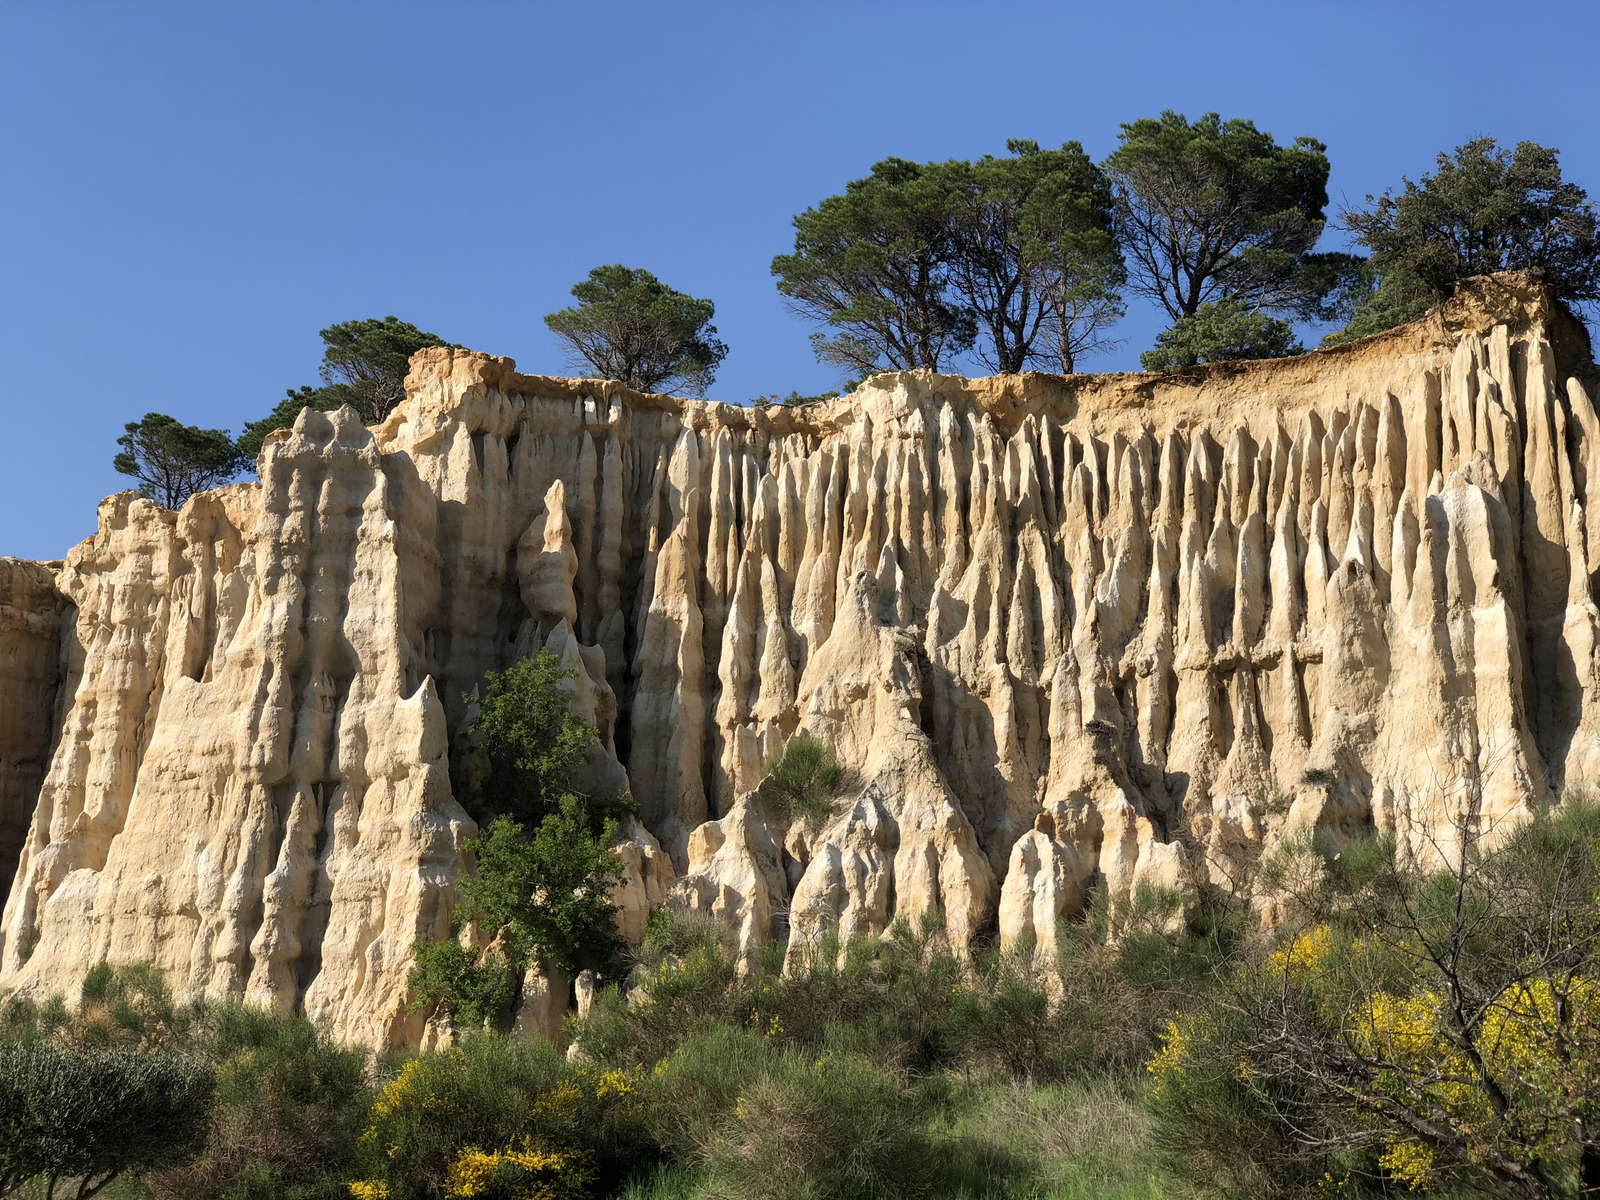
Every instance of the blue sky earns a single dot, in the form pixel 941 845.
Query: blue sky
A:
pixel 189 192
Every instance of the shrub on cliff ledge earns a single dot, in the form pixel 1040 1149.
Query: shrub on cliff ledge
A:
pixel 802 780
pixel 1221 331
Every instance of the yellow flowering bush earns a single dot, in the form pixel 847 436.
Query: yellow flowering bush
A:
pixel 1409 1162
pixel 1303 956
pixel 527 1171
pixel 502 1120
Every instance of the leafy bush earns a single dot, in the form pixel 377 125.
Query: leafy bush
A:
pixel 90 1115
pixel 905 1001
pixel 543 896
pixel 835 1126
pixel 129 1007
pixel 1423 1030
pixel 548 898
pixel 289 1108
pixel 534 746
pixel 1226 330
pixel 496 1117
pixel 803 778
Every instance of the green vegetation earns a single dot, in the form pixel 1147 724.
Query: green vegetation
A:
pixel 542 890
pixel 364 365
pixel 1484 209
pixel 1021 262
pixel 1218 210
pixel 629 326
pixel 1224 330
pixel 172 461
pixel 912 263
pixel 802 780
pixel 533 746
pixel 873 265
pixel 1441 1031
pixel 1399 1033
pixel 82 1117
pixel 200 1102
pixel 1035 260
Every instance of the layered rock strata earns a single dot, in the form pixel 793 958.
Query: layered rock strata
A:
pixel 1064 632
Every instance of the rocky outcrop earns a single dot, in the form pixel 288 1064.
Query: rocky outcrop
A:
pixel 32 670
pixel 1065 633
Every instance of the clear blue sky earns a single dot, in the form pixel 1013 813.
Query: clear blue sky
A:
pixel 189 192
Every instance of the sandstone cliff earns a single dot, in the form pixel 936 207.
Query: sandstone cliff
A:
pixel 1065 632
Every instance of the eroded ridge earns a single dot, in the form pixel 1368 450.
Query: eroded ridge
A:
pixel 1065 632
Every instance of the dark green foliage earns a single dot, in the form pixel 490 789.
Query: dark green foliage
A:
pixel 1484 209
pixel 1379 301
pixel 1421 1030
pixel 873 265
pixel 366 362
pixel 912 262
pixel 364 365
pixel 473 984
pixel 283 417
pixel 288 1105
pixel 534 745
pixel 551 893
pixel 803 779
pixel 1225 330
pixel 629 326
pixel 1216 209
pixel 904 1001
pixel 81 1117
pixel 172 461
pixel 289 1109
pixel 544 895
pixel 1034 257
pixel 546 898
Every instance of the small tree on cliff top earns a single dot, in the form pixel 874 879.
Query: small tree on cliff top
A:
pixel 364 365
pixel 1484 209
pixel 631 327
pixel 172 460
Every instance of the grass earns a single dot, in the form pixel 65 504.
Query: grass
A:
pixel 1002 1140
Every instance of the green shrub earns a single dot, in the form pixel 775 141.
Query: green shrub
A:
pixel 502 1112
pixel 290 1106
pixel 672 933
pixel 90 1115
pixel 1225 330
pixel 535 747
pixel 802 780
pixel 836 1127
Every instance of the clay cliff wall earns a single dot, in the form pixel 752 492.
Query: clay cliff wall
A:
pixel 1065 632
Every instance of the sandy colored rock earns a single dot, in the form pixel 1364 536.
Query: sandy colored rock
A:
pixel 32 671
pixel 1113 631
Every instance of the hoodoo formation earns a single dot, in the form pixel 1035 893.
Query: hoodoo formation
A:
pixel 1064 632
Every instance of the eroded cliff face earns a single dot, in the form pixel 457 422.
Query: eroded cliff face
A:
pixel 1064 633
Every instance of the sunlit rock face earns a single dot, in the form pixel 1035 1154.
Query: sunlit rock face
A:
pixel 1065 633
